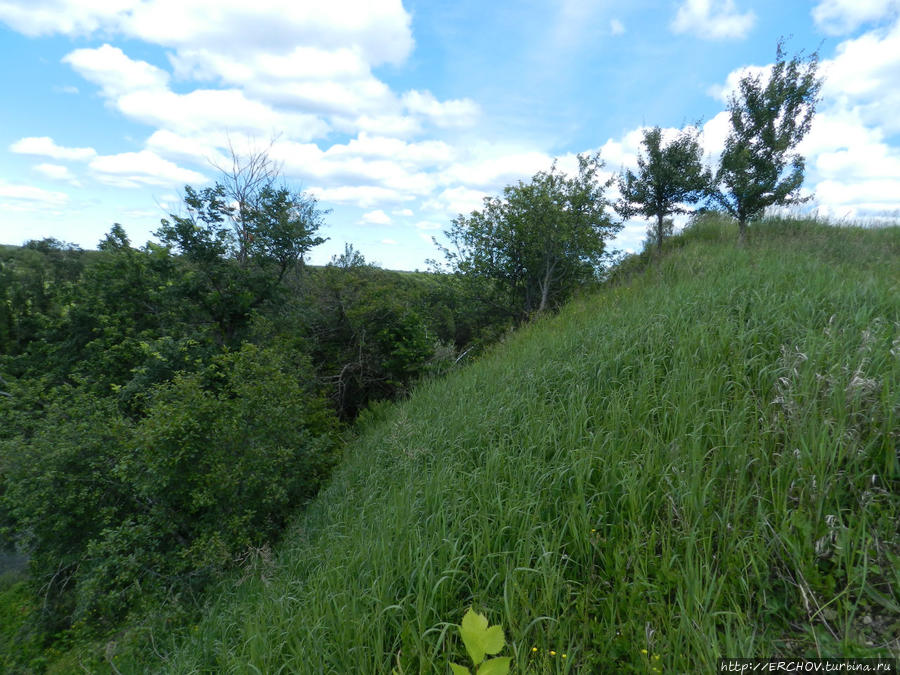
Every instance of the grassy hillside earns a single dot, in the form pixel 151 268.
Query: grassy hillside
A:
pixel 700 461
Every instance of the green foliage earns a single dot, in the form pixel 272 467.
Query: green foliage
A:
pixel 668 176
pixel 481 639
pixel 239 239
pixel 374 332
pixel 531 248
pixel 759 167
pixel 148 452
pixel 351 257
pixel 35 281
pixel 115 513
pixel 631 494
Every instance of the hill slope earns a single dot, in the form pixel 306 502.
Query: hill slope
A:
pixel 700 462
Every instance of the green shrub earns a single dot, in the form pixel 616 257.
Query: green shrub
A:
pixel 118 513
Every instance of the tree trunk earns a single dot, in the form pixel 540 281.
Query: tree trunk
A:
pixel 545 287
pixel 659 233
pixel 742 231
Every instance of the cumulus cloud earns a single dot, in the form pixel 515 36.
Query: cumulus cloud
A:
pixel 114 72
pixel 844 16
pixel 713 19
pixel 377 217
pixel 141 92
pixel 133 169
pixel 56 172
pixel 300 70
pixel 863 75
pixel 29 197
pixel 451 113
pixel 723 92
pixel 364 196
pixel 429 225
pixel 287 64
pixel 455 200
pixel 379 29
pixel 491 167
pixel 47 147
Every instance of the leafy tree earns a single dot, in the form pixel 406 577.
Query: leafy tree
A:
pixel 669 175
pixel 242 238
pixel 350 258
pixel 769 117
pixel 539 241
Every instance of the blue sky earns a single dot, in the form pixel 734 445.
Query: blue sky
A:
pixel 398 116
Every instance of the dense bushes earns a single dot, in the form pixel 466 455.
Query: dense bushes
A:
pixel 150 441
pixel 115 511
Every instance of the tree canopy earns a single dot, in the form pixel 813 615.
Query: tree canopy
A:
pixel 769 117
pixel 669 176
pixel 242 235
pixel 539 240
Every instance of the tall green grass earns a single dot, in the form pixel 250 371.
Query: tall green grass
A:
pixel 697 463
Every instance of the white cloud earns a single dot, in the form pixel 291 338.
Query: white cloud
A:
pixel 863 76
pixel 401 126
pixel 713 19
pixel 47 147
pixel 492 167
pixel 723 92
pixel 616 27
pixel 298 65
pixel 379 29
pixel 56 172
pixel 133 169
pixel 197 149
pixel 363 196
pixel 389 242
pixel 114 72
pixel 29 197
pixel 423 153
pixel 715 131
pixel 429 225
pixel 843 16
pixel 456 200
pixel 141 92
pixel 622 152
pixel 66 89
pixel 451 113
pixel 403 212
pixel 377 217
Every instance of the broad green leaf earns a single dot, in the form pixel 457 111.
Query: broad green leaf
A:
pixel 459 670
pixel 478 638
pixel 498 666
pixel 493 640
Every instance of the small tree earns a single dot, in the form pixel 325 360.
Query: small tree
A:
pixel 537 242
pixel 669 176
pixel 243 235
pixel 759 167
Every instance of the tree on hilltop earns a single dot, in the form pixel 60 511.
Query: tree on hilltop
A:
pixel 669 176
pixel 769 117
